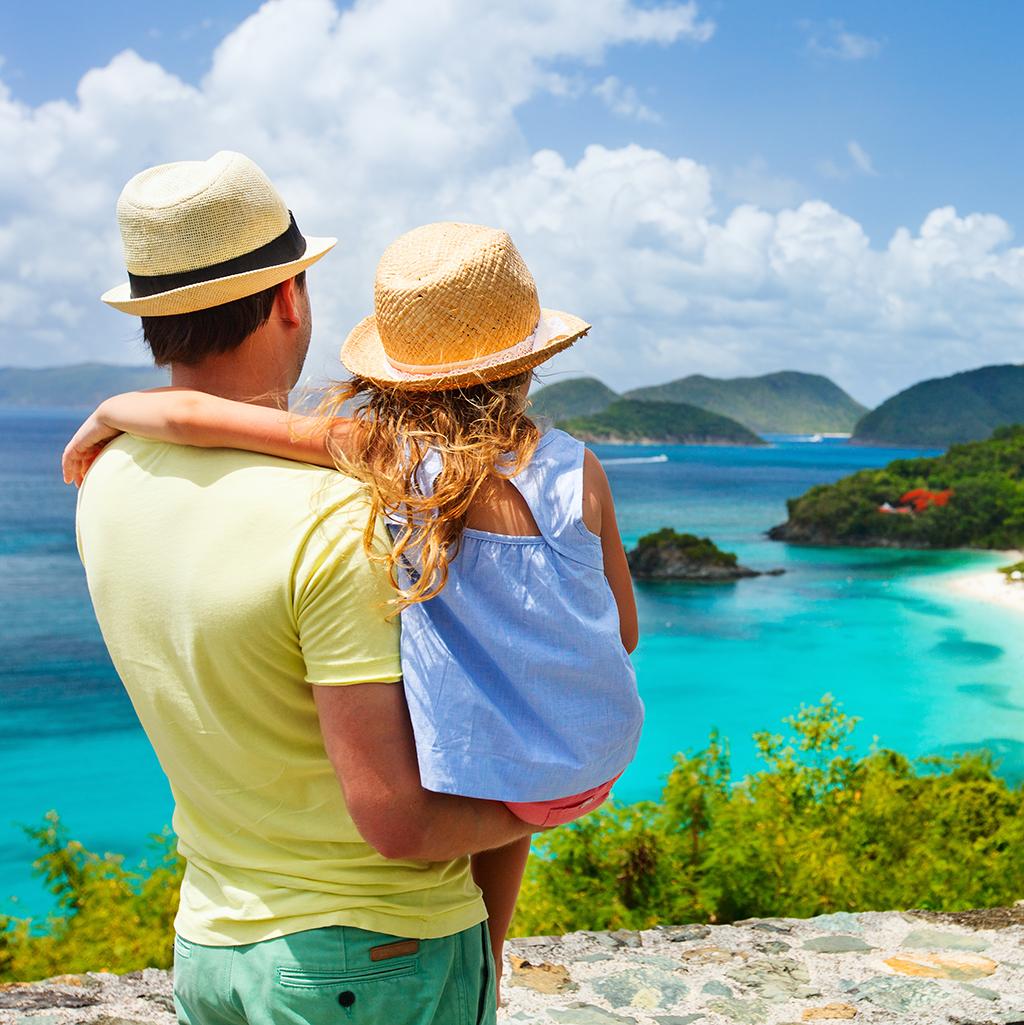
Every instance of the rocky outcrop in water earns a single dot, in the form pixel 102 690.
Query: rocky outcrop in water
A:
pixel 669 555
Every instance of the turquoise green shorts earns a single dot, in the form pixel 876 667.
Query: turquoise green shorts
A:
pixel 340 975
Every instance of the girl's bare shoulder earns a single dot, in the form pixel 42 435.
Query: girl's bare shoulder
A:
pixel 596 492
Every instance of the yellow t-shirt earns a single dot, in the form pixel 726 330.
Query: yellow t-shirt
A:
pixel 225 584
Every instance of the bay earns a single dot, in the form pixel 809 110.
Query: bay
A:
pixel 928 673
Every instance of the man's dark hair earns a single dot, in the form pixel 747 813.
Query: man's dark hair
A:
pixel 189 338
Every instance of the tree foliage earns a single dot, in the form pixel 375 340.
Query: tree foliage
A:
pixel 986 509
pixel 663 422
pixel 689 546
pixel 107 917
pixel 815 830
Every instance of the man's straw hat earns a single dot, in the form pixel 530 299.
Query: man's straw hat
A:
pixel 199 233
pixel 455 305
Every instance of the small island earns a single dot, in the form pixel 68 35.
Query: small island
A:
pixel 668 555
pixel 628 422
pixel 971 497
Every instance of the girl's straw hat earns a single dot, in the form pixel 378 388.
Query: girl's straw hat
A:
pixel 455 305
pixel 199 233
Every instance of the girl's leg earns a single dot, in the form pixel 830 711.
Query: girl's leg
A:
pixel 499 874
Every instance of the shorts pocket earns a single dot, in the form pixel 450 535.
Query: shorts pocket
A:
pixel 182 947
pixel 390 993
pixel 314 978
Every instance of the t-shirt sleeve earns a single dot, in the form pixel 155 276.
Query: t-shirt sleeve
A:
pixel 341 602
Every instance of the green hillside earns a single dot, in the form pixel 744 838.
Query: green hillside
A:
pixel 986 509
pixel 579 396
pixel 788 402
pixel 76 387
pixel 670 423
pixel 947 410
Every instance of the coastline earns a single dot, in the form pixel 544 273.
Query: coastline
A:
pixel 987 585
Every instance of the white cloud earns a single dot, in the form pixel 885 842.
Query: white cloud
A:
pixel 861 158
pixel 623 100
pixel 393 113
pixel 755 182
pixel 860 162
pixel 835 41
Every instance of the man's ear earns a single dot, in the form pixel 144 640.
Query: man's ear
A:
pixel 288 303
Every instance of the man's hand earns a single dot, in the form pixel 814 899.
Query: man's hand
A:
pixel 369 740
pixel 82 450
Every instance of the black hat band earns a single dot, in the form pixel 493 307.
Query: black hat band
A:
pixel 290 245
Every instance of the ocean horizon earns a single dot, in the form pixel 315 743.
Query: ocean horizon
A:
pixel 929 672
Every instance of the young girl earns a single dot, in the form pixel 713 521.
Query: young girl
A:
pixel 516 604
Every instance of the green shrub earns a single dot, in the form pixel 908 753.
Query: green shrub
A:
pixel 815 830
pixel 107 918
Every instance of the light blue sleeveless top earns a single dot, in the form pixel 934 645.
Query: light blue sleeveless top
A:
pixel 517 682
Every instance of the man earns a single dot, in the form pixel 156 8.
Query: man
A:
pixel 251 633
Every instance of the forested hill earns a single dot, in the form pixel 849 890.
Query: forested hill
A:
pixel 669 423
pixel 947 410
pixel 979 489
pixel 76 387
pixel 788 402
pixel 578 396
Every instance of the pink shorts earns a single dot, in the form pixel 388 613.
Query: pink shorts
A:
pixel 562 809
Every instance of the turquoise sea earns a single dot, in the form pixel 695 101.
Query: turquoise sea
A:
pixel 927 672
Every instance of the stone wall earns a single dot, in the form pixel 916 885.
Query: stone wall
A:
pixel 912 968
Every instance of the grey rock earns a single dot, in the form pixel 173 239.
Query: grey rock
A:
pixel 836 945
pixel 840 921
pixel 587 1014
pixel 688 933
pixel 626 938
pixel 656 961
pixel 749 1012
pixel 716 989
pixel 592 958
pixel 31 998
pixel 896 994
pixel 621 989
pixel 980 991
pixel 599 939
pixel 677 1019
pixel 765 924
pixel 164 1000
pixel 939 939
pixel 774 947
pixel 777 980
pixel 107 1019
pixel 538 941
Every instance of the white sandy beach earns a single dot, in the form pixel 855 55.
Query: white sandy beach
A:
pixel 988 585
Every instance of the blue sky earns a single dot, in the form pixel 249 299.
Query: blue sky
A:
pixel 882 112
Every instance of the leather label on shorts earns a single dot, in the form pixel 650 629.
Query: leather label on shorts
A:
pixel 403 948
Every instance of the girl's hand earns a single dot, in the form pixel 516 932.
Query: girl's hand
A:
pixel 82 450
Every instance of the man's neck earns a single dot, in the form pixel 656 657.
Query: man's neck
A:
pixel 233 379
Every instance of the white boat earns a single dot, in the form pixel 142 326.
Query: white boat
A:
pixel 662 458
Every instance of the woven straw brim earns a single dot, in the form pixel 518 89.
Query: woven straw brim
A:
pixel 363 354
pixel 205 294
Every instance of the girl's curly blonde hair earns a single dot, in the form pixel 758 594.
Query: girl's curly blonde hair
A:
pixel 481 432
